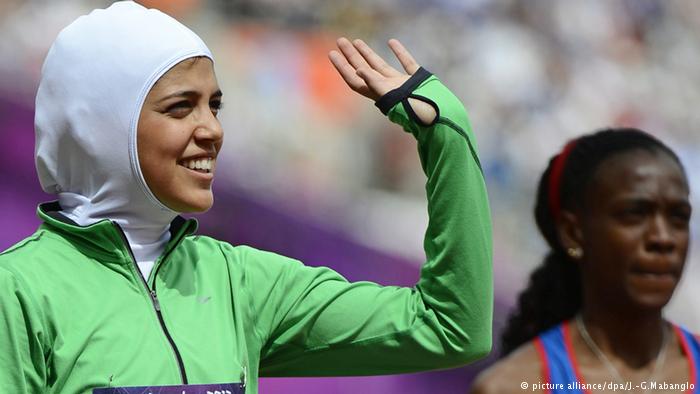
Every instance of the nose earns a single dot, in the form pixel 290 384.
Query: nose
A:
pixel 209 129
pixel 661 238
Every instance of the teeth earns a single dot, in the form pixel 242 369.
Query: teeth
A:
pixel 202 164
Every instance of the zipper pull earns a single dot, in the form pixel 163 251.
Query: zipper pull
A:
pixel 154 298
pixel 244 376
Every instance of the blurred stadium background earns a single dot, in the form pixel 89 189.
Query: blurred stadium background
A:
pixel 314 172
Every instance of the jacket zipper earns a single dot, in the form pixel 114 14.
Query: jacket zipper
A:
pixel 156 305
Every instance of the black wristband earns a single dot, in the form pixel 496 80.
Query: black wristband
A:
pixel 393 97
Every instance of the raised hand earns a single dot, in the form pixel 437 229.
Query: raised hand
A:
pixel 366 72
pixel 369 75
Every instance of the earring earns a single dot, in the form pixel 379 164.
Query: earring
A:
pixel 575 253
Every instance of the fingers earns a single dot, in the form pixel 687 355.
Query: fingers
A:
pixel 374 81
pixel 409 64
pixel 366 72
pixel 375 61
pixel 346 71
pixel 351 54
pixel 360 55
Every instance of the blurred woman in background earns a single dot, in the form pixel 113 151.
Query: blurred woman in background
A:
pixel 613 207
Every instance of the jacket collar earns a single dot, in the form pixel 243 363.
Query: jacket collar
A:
pixel 104 240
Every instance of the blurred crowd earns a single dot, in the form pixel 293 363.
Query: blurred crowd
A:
pixel 532 74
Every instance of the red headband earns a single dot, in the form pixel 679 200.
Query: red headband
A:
pixel 555 179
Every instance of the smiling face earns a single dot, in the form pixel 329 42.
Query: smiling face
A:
pixel 179 136
pixel 634 229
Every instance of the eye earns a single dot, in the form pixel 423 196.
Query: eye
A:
pixel 681 214
pixel 633 212
pixel 216 105
pixel 179 109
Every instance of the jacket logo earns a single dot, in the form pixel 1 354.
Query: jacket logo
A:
pixel 203 299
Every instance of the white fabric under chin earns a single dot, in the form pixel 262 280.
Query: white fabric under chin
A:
pixel 146 243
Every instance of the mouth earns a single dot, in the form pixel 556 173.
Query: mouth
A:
pixel 656 277
pixel 657 268
pixel 202 165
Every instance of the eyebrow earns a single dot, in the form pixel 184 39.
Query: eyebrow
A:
pixel 189 93
pixel 636 199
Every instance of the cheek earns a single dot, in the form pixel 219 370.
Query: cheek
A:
pixel 161 138
pixel 611 248
pixel 610 236
pixel 157 154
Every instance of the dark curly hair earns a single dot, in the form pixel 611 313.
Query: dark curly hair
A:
pixel 554 291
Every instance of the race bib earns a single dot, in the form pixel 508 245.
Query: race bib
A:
pixel 228 388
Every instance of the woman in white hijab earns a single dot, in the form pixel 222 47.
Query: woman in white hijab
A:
pixel 115 294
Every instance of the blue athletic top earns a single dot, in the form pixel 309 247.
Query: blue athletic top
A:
pixel 560 371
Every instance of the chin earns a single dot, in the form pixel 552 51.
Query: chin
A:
pixel 654 303
pixel 193 205
pixel 652 300
pixel 652 291
pixel 199 207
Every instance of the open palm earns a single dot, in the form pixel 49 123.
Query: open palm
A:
pixel 366 72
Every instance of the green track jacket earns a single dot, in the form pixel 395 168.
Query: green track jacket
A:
pixel 76 314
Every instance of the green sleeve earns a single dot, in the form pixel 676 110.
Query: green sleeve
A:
pixel 315 323
pixel 22 366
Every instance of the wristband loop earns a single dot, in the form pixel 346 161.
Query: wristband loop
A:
pixel 393 97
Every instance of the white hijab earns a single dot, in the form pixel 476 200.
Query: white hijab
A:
pixel 94 82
